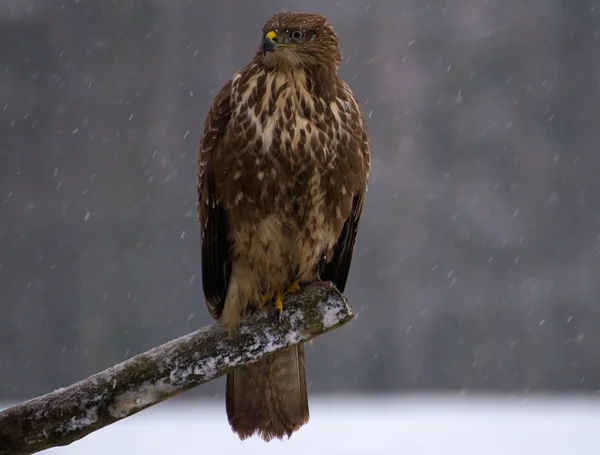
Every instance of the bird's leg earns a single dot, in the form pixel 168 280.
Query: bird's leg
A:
pixel 294 287
pixel 264 299
pixel 279 305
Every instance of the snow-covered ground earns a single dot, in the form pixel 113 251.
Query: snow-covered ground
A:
pixel 423 425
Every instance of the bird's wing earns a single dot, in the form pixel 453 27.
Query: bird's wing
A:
pixel 216 261
pixel 336 269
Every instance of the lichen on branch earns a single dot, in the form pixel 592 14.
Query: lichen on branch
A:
pixel 70 413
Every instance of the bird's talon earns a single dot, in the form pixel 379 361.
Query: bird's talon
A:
pixel 294 287
pixel 264 299
pixel 279 306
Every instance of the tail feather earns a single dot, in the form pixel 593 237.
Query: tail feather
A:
pixel 269 398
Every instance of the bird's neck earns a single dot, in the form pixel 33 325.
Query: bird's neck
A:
pixel 319 81
pixel 322 81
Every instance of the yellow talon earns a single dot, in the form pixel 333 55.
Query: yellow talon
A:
pixel 279 302
pixel 263 301
pixel 294 287
pixel 279 306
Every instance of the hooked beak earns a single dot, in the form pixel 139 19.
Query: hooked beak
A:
pixel 269 43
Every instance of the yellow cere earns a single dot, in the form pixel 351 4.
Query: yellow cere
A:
pixel 271 35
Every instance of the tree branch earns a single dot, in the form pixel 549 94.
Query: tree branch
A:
pixel 71 413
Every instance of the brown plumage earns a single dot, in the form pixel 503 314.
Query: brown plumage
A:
pixel 282 176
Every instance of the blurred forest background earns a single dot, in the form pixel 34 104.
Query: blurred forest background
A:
pixel 477 260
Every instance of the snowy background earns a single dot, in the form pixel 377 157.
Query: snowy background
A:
pixel 419 425
pixel 476 265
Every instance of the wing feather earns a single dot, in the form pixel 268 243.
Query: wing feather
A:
pixel 216 260
pixel 337 268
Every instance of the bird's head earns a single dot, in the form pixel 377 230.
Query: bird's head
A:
pixel 299 40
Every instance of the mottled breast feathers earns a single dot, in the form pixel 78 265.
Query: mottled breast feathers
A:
pixel 270 137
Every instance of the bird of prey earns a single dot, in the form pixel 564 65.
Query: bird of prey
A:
pixel 282 175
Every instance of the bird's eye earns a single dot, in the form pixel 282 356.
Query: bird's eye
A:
pixel 297 35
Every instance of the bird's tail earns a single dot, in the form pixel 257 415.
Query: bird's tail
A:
pixel 269 397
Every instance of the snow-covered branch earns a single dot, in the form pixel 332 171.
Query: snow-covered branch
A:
pixel 71 413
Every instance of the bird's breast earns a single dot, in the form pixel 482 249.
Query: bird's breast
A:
pixel 283 146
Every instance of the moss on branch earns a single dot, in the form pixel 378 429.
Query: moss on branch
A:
pixel 70 413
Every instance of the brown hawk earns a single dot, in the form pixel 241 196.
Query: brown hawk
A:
pixel 282 176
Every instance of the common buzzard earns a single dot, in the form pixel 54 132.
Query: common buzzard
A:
pixel 282 175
